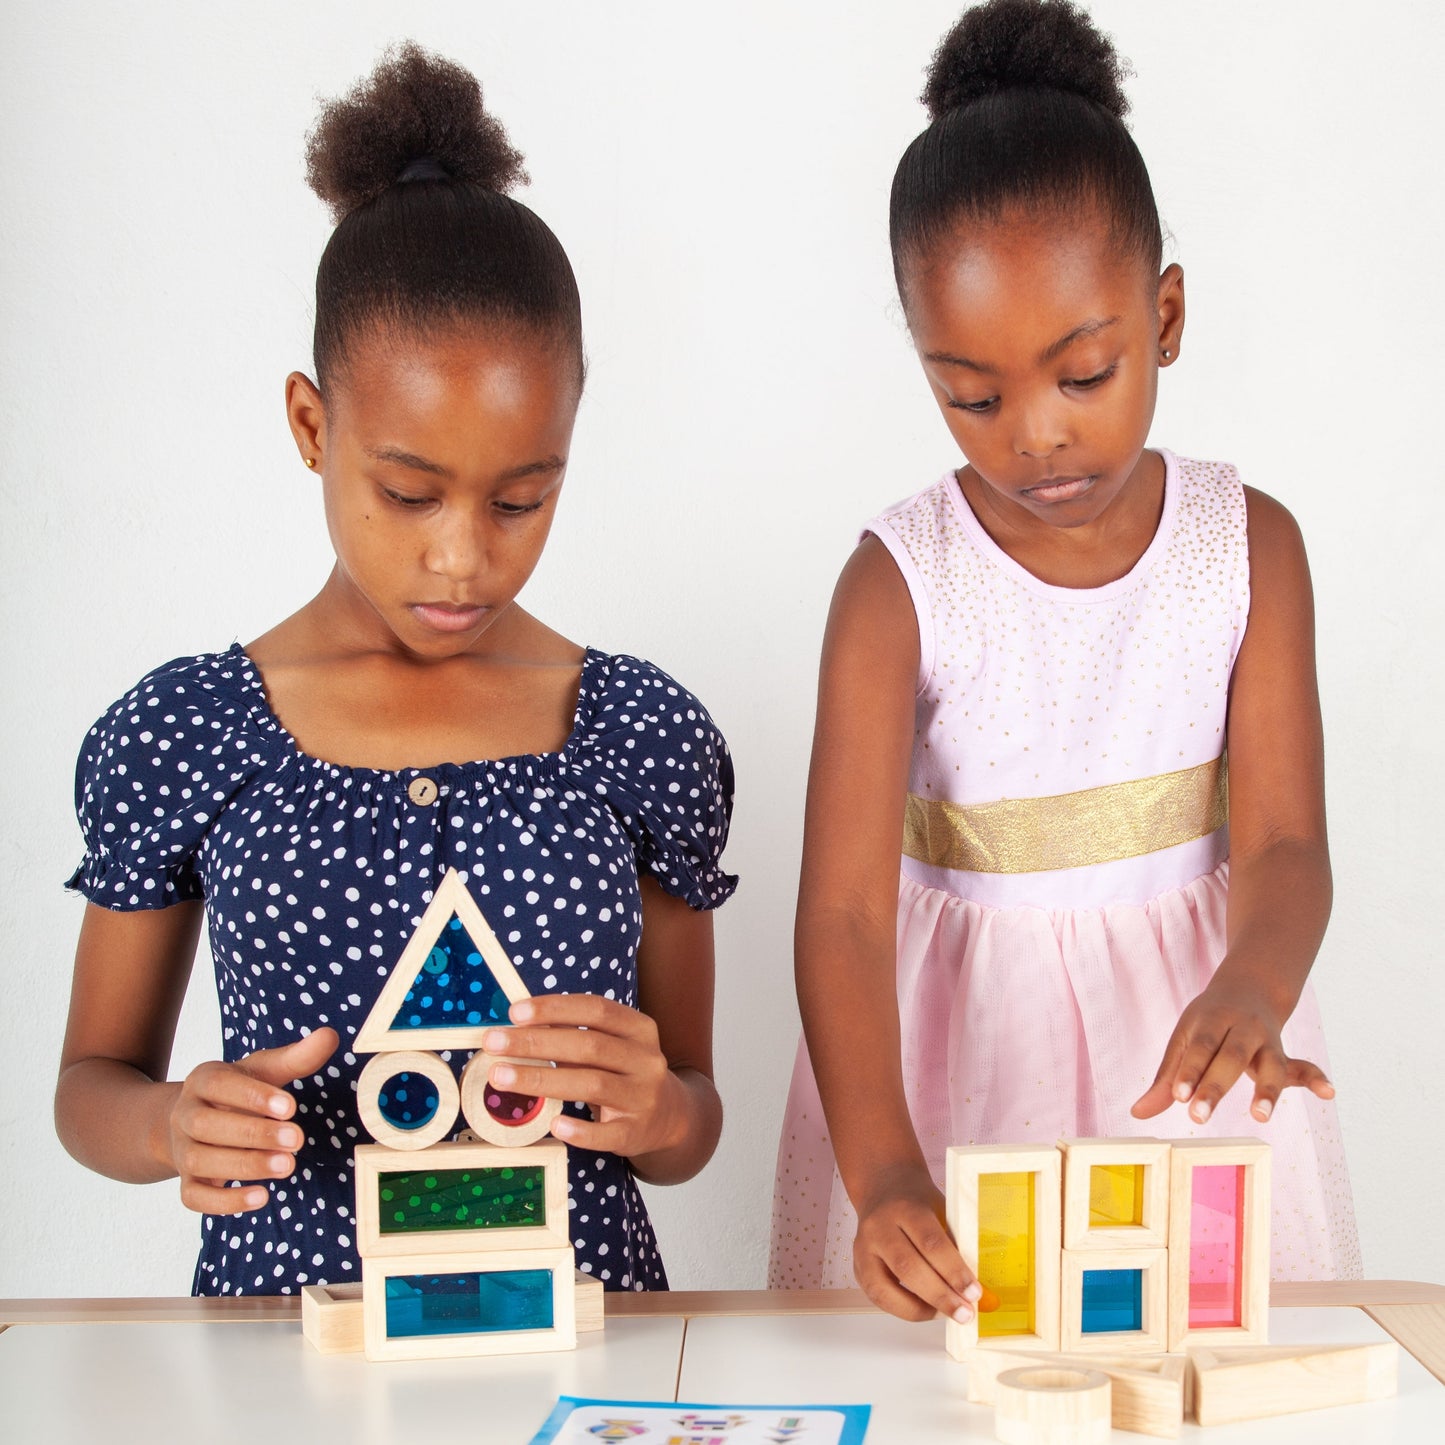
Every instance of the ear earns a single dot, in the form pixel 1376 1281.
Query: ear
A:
pixel 306 416
pixel 1171 313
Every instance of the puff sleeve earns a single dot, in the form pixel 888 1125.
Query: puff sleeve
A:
pixel 667 773
pixel 153 775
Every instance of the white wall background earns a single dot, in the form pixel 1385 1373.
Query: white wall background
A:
pixel 719 176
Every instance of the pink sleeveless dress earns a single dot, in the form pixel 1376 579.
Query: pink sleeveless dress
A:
pixel 1065 868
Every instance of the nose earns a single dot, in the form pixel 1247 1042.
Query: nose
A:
pixel 457 546
pixel 1040 428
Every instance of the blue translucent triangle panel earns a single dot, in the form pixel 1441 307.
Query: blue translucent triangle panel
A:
pixel 1113 1300
pixel 454 987
pixel 487 1302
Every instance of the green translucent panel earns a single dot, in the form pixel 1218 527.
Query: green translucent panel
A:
pixel 1006 1253
pixel 486 1302
pixel 427 1200
pixel 1116 1195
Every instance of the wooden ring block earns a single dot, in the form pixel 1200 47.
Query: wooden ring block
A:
pixel 1049 1405
pixel 487 1126
pixel 407 1061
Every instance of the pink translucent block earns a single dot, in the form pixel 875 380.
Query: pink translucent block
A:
pixel 1216 1246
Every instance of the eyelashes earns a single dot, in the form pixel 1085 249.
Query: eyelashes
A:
pixel 417 504
pixel 1082 383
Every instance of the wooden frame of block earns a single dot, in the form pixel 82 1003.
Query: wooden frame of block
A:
pixel 376 1033
pixel 1152 1336
pixel 1252 1383
pixel 561 1335
pixel 964 1167
pixel 1081 1157
pixel 373 1161
pixel 1149 1396
pixel 407 1061
pixel 1253 1156
pixel 333 1316
pixel 484 1124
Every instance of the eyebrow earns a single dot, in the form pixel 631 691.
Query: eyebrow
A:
pixel 398 457
pixel 1083 329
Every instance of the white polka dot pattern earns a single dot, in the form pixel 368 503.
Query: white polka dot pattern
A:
pixel 315 875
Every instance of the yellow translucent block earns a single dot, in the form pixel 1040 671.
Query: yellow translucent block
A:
pixel 1006 1253
pixel 1116 1195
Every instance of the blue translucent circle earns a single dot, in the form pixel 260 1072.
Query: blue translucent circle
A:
pixel 407 1101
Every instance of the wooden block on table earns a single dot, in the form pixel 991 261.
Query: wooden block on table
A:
pixel 591 1303
pixel 1244 1383
pixel 1045 1405
pixel 458 1197
pixel 380 1071
pixel 1114 1301
pixel 1116 1193
pixel 515 1121
pixel 496 1302
pixel 1147 1394
pixel 1219 1242
pixel 1003 1212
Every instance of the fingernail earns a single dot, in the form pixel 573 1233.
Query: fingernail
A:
pixel 281 1163
pixel 963 1314
pixel 1263 1109
pixel 563 1128
pixel 280 1105
pixel 973 1293
pixel 523 1012
pixel 503 1074
pixel 495 1042
pixel 254 1198
pixel 1182 1091
pixel 289 1139
pixel 1200 1112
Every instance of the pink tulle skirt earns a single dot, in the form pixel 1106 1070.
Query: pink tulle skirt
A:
pixel 1027 1025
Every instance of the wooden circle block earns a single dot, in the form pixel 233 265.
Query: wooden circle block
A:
pixel 510 1120
pixel 1049 1405
pixel 385 1067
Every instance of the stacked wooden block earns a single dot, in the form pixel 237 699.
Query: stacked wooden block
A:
pixel 1098 1257
pixel 464 1244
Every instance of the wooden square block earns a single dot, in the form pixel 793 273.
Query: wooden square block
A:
pixel 460 1197
pixel 1004 1214
pixel 1219 1215
pixel 493 1302
pixel 1116 1193
pixel 1114 1301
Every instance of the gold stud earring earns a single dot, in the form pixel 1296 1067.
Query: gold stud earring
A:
pixel 311 461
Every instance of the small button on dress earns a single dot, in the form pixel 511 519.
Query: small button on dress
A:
pixel 316 875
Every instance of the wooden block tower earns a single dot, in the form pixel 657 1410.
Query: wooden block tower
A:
pixel 464 1244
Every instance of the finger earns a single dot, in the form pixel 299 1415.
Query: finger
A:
pixel 880 1286
pixel 1194 1064
pixel 613 1136
pixel 1230 1060
pixel 1271 1070
pixel 588 1047
pixel 1160 1094
pixel 230 1129
pixel 1301 1074
pixel 202 1161
pixel 584 1011
pixel 597 1087
pixel 207 1198
pixel 919 1277
pixel 293 1061
pixel 230 1086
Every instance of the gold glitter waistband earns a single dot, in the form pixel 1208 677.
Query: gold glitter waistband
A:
pixel 1069 830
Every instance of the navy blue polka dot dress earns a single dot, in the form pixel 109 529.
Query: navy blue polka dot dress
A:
pixel 315 876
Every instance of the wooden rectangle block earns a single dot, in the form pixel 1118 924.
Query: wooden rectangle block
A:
pixel 460 1196
pixel 1219 1245
pixel 1251 1383
pixel 1114 1301
pixel 1004 1214
pixel 501 1302
pixel 1148 1390
pixel 1116 1193
pixel 332 1315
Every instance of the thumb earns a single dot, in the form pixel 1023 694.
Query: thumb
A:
pixel 298 1060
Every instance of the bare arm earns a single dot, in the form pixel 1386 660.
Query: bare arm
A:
pixel 116 1112
pixel 1279 870
pixel 845 939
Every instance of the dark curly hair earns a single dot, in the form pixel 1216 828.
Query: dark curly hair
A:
pixel 1027 107
pixel 415 172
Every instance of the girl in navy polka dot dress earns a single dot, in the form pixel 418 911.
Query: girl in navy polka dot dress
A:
pixel 305 794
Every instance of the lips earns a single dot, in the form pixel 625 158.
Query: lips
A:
pixel 1059 489
pixel 448 616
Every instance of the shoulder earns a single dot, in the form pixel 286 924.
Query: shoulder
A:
pixel 1272 527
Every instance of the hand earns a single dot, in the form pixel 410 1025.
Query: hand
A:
pixel 607 1056
pixel 1229 1030
pixel 903 1257
pixel 226 1123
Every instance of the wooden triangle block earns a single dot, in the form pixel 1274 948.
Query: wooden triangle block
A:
pixel 451 899
pixel 1147 1391
pixel 1252 1382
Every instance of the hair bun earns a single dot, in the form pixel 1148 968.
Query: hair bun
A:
pixel 415 117
pixel 1010 44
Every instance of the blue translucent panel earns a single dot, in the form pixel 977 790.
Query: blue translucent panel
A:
pixel 468 1304
pixel 407 1101
pixel 454 987
pixel 1113 1300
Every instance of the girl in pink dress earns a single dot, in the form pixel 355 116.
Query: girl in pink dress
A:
pixel 1072 684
